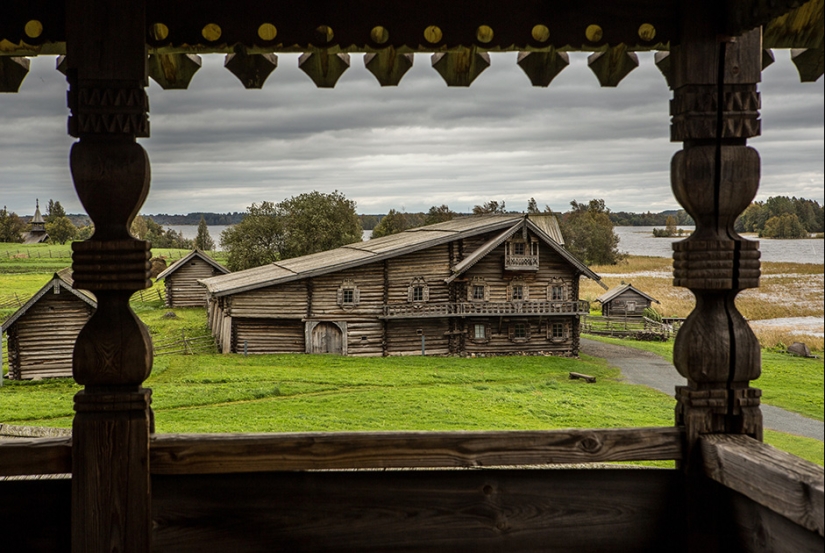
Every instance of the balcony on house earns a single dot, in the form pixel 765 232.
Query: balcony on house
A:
pixel 471 309
pixel 521 256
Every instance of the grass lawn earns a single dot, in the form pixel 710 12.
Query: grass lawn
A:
pixel 790 382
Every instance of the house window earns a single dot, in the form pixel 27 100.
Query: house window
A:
pixel 520 332
pixel 478 290
pixel 518 292
pixel 557 331
pixel 418 291
pixel 480 332
pixel 557 292
pixel 348 294
pixel 518 248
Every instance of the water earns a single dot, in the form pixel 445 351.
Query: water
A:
pixel 640 241
pixel 633 240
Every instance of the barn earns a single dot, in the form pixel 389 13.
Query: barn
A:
pixel 625 301
pixel 43 331
pixel 492 284
pixel 181 279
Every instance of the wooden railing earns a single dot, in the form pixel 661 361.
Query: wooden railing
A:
pixel 469 309
pixel 521 262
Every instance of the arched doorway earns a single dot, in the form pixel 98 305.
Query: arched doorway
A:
pixel 326 337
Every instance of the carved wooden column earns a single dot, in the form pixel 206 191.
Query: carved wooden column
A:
pixel 715 109
pixel 106 59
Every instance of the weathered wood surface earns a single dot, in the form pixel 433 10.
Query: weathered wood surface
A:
pixel 214 453
pixel 182 288
pixel 780 481
pixel 586 377
pixel 753 528
pixel 36 515
pixel 478 511
pixel 35 456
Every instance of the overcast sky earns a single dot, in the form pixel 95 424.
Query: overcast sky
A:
pixel 218 147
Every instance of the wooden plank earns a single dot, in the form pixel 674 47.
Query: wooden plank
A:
pixel 752 528
pixel 478 511
pixel 780 481
pixel 35 456
pixel 221 453
pixel 36 515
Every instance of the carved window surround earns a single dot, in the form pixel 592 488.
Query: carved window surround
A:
pixel 478 290
pixel 349 295
pixel 418 291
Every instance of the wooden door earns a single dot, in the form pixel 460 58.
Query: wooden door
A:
pixel 327 338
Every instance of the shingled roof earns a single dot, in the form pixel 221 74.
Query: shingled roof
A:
pixel 62 280
pixel 378 249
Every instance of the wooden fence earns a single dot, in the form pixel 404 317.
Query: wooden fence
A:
pixel 641 328
pixel 186 345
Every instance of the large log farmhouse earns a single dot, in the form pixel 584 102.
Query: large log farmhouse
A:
pixel 482 284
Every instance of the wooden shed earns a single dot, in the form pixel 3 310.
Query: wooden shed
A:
pixel 625 301
pixel 42 332
pixel 181 279
pixel 482 284
pixel 135 491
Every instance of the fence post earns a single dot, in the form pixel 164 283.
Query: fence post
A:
pixel 245 348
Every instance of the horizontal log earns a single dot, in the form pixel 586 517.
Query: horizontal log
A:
pixel 777 480
pixel 586 377
pixel 32 456
pixel 478 511
pixel 217 453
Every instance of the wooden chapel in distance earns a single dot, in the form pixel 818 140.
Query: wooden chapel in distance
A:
pixel 132 490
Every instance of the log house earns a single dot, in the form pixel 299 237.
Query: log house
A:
pixel 42 333
pixel 181 279
pixel 514 291
pixel 134 491
pixel 625 301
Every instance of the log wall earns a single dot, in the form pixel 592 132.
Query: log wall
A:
pixel 182 288
pixel 42 340
pixel 499 339
pixel 268 336
pixel 404 336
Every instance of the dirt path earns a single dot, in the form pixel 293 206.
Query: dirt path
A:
pixel 648 369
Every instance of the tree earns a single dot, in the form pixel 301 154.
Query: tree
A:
pixel 203 241
pixel 532 206
pixel 784 226
pixel 54 211
pixel 257 240
pixel 84 233
pixel 670 225
pixel 61 229
pixel 588 233
pixel 391 223
pixel 489 207
pixel 316 222
pixel 439 215
pixel 139 227
pixel 11 226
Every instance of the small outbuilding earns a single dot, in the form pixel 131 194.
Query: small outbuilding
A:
pixel 181 279
pixel 625 301
pixel 42 333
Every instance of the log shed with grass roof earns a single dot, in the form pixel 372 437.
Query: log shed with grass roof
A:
pixel 133 490
pixel 181 279
pixel 41 334
pixel 491 284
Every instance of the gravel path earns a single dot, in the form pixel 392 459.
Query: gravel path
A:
pixel 648 369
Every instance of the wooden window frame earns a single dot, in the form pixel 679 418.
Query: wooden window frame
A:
pixel 525 290
pixel 513 331
pixel 347 286
pixel 551 331
pixel 487 332
pixel 420 283
pixel 478 281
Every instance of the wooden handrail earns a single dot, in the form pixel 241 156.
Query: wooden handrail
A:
pixel 777 480
pixel 469 309
pixel 32 456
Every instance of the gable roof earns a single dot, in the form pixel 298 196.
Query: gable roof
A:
pixel 613 292
pixel 191 255
pixel 63 280
pixel 362 253
pixel 546 224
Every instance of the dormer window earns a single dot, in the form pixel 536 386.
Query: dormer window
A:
pixel 418 291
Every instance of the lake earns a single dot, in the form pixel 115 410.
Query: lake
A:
pixel 635 241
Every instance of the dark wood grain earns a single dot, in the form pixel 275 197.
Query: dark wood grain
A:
pixel 781 482
pixel 222 453
pixel 452 510
pixel 35 456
